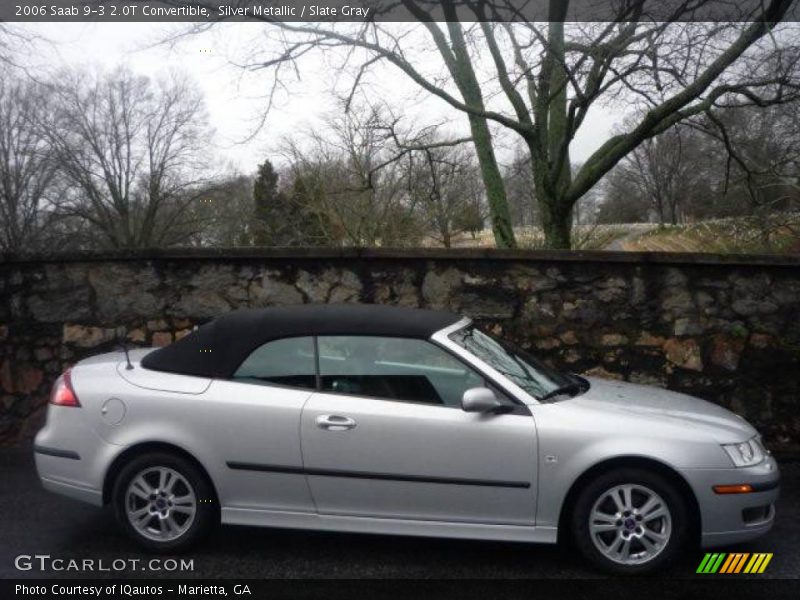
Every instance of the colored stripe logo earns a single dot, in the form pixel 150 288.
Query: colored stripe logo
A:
pixel 734 562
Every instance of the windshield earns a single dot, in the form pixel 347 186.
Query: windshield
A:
pixel 520 367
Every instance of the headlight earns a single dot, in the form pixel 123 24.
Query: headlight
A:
pixel 746 454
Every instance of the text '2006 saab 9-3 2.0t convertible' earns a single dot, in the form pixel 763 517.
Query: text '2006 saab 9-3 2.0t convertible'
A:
pixel 391 420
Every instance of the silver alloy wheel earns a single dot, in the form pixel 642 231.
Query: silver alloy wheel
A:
pixel 630 524
pixel 160 504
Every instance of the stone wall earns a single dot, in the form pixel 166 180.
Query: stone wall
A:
pixel 724 329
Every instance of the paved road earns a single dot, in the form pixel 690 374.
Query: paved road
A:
pixel 33 521
pixel 618 244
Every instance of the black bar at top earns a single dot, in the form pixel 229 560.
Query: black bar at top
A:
pixel 393 10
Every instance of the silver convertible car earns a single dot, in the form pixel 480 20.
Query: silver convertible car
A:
pixel 391 420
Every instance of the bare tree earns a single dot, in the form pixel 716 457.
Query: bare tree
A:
pixel 540 80
pixel 355 180
pixel 446 185
pixel 378 181
pixel 225 212
pixel 585 210
pixel 665 171
pixel 520 188
pixel 13 39
pixel 622 202
pixel 133 153
pixel 27 168
pixel 6 37
pixel 737 162
pixel 757 153
pixel 760 152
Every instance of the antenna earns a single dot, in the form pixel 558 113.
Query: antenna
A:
pixel 122 335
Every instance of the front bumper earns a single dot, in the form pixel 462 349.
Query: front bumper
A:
pixel 732 518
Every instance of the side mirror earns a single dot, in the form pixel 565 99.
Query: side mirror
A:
pixel 481 400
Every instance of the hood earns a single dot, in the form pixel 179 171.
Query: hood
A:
pixel 628 400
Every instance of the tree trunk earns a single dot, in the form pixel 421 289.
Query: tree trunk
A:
pixel 662 219
pixel 556 222
pixel 553 173
pixel 674 212
pixel 460 66
pixel 493 181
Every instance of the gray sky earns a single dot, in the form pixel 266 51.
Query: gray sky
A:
pixel 235 99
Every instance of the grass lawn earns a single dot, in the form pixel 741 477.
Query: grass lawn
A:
pixel 778 234
pixel 744 235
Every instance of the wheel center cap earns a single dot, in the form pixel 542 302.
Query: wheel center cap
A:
pixel 161 503
pixel 630 523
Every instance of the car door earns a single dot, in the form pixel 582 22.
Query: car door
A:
pixel 254 427
pixel 385 437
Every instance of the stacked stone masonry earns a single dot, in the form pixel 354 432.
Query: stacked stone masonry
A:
pixel 727 330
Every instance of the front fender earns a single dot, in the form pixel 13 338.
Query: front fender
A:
pixel 569 447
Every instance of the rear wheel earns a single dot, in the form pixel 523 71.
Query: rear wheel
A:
pixel 630 521
pixel 164 502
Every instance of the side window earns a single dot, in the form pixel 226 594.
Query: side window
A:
pixel 282 362
pixel 393 368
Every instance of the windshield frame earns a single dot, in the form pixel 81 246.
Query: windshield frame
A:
pixel 444 338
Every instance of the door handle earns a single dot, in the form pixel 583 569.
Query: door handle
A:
pixel 335 422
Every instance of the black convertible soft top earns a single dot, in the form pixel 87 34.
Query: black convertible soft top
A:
pixel 217 348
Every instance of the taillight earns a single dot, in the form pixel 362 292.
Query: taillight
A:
pixel 63 394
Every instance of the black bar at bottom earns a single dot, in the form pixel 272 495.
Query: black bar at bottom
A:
pixel 693 586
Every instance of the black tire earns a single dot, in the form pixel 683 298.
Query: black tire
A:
pixel 206 513
pixel 597 488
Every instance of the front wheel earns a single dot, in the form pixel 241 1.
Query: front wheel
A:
pixel 164 502
pixel 630 521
